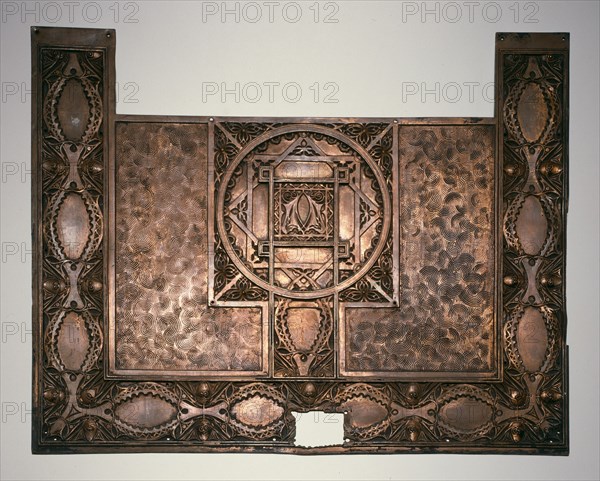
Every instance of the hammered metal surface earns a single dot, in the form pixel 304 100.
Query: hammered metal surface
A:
pixel 445 320
pixel 162 320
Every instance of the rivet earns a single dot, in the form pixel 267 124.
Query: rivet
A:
pixel 310 390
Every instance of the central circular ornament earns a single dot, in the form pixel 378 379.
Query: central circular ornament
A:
pixel 303 211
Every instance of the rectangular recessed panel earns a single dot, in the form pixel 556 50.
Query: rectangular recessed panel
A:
pixel 163 322
pixel 444 323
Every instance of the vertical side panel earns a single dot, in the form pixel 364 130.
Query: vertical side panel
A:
pixel 532 114
pixel 73 99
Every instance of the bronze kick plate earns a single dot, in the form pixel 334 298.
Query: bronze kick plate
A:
pixel 196 279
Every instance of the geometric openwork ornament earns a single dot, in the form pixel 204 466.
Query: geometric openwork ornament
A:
pixel 198 279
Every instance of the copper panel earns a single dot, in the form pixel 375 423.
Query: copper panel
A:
pixel 198 279
pixel 444 323
pixel 162 321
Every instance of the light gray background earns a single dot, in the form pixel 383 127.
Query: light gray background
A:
pixel 370 53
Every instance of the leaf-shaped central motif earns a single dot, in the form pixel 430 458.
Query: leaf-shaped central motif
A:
pixel 302 214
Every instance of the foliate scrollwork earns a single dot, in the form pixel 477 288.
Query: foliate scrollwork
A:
pixel 366 134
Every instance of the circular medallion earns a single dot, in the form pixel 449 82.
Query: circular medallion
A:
pixel 303 211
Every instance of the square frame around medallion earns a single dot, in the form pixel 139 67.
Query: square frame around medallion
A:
pixel 197 279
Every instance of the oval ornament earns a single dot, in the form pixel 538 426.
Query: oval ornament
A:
pixel 73 341
pixel 532 112
pixel 530 336
pixel 73 225
pixel 303 329
pixel 531 225
pixel 364 412
pixel 73 110
pixel 466 412
pixel 532 339
pixel 257 411
pixel 146 410
pixel 367 410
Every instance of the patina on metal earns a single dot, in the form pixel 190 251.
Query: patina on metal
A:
pixel 198 279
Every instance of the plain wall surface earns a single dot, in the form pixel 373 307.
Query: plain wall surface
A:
pixel 379 59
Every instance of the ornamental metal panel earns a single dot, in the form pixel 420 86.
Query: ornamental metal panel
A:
pixel 199 279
